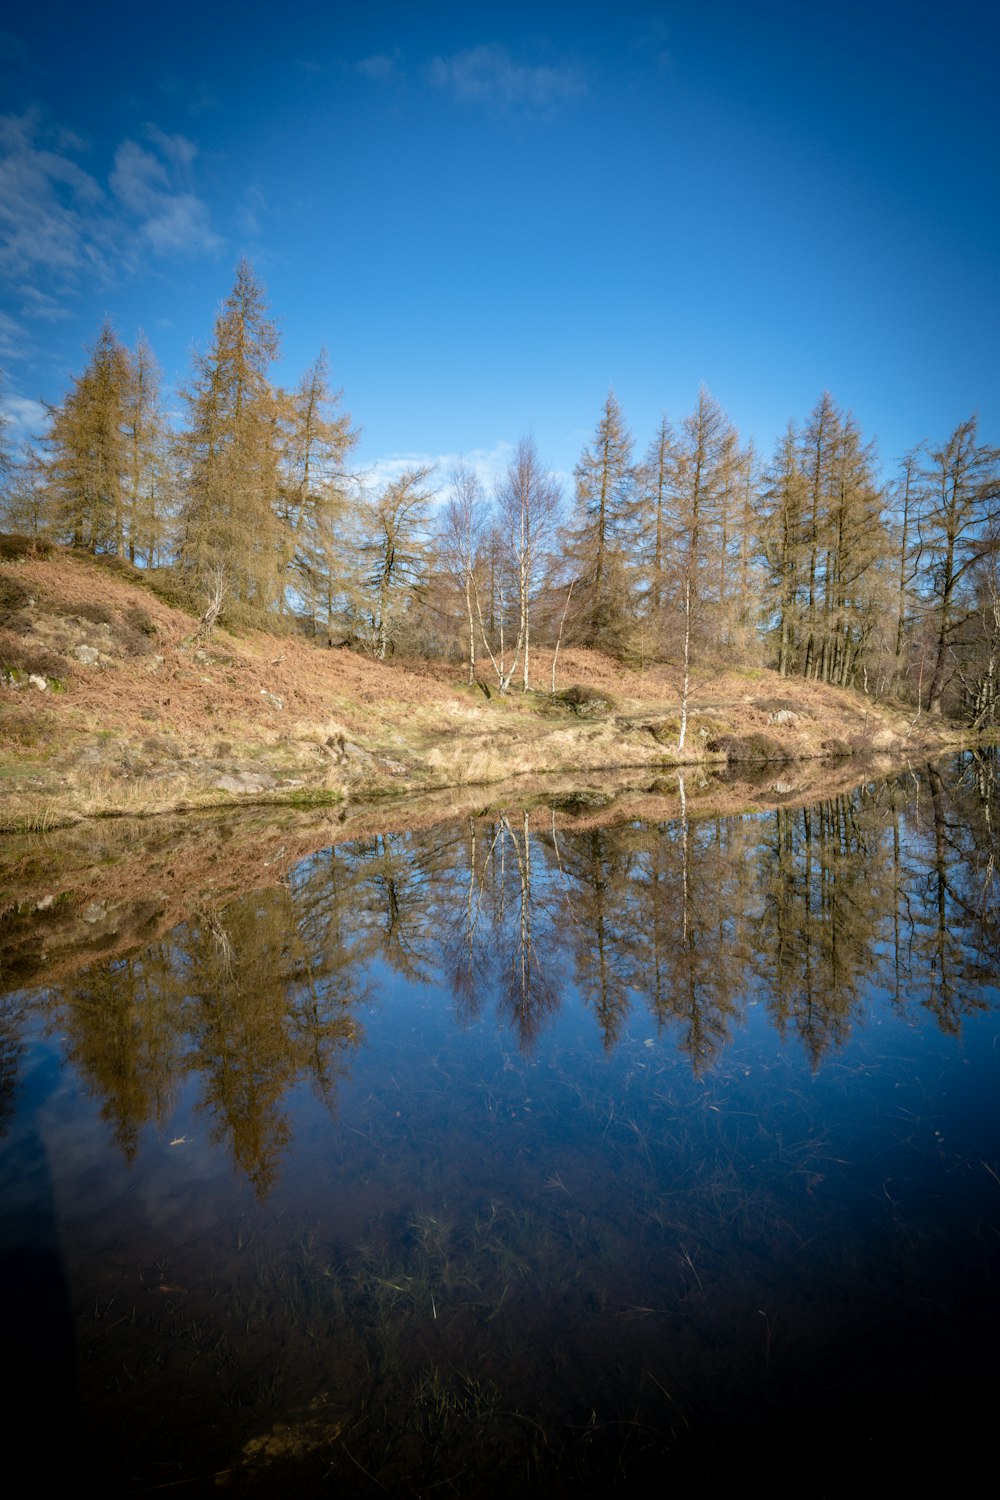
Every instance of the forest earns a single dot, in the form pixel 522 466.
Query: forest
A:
pixel 247 506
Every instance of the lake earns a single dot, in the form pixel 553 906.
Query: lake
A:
pixel 595 1144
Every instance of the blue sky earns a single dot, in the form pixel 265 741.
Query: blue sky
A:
pixel 489 215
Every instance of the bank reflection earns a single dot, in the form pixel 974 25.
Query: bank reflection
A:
pixel 815 911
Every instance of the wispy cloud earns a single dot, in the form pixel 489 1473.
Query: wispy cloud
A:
pixel 52 212
pixel 251 211
pixel 61 226
pixel 381 67
pixel 152 183
pixel 15 342
pixel 38 304
pixel 489 77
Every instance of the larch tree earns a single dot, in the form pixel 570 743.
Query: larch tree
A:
pixel 856 548
pixel 606 501
pixel 8 467
pixel 746 579
pixel 819 445
pixel 784 547
pixel 963 480
pixel 906 497
pixel 656 478
pixel 148 478
pixel 230 529
pixel 705 455
pixel 25 500
pixel 87 464
pixel 315 495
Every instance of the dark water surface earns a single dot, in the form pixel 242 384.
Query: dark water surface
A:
pixel 523 1154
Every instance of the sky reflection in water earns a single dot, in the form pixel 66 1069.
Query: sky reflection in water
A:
pixel 529 1151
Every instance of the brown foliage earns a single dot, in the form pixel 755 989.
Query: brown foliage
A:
pixel 13 546
pixel 19 655
pixel 13 595
pixel 755 746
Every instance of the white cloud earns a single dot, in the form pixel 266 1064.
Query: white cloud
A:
pixel 60 225
pixel 489 77
pixel 153 186
pixel 488 464
pixel 27 417
pixel 52 216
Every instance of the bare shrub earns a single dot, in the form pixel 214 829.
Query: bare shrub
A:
pixel 13 595
pixel 139 619
pixel 751 747
pixel 13 546
pixel 90 610
pixel 17 655
pixel 586 702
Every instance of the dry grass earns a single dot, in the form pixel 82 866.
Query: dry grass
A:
pixel 164 717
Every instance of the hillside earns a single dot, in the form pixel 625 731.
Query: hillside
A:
pixel 110 703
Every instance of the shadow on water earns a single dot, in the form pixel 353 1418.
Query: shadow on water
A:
pixel 35 1313
pixel 539 1149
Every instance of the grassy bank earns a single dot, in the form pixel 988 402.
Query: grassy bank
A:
pixel 110 703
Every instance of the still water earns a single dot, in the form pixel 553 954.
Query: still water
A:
pixel 555 1151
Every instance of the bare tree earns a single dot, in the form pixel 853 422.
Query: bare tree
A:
pixel 397 522
pixel 528 499
pixel 460 539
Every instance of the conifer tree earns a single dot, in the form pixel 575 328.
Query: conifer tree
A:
pixel 8 467
pixel 25 506
pixel 963 478
pixel 605 517
pixel 906 500
pixel 148 481
pixel 230 524
pixel 315 495
pixel 87 452
pixel 656 479
pixel 705 456
pixel 783 546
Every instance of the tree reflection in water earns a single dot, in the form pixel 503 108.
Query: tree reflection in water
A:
pixel 894 886
pixel 627 1184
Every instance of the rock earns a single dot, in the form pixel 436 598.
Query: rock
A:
pixel 38 682
pixel 88 656
pixel 271 698
pixel 783 716
pixel 782 788
pixel 95 912
pixel 45 902
pixel 244 781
